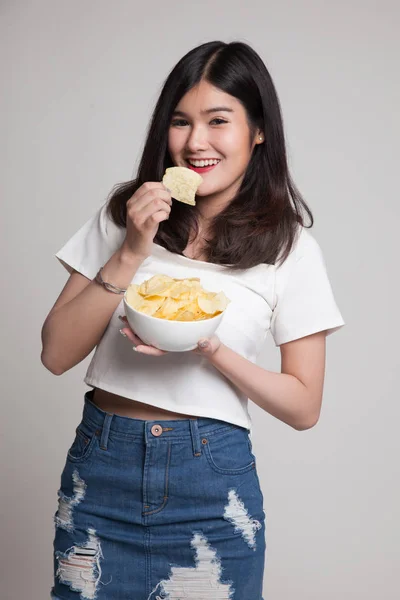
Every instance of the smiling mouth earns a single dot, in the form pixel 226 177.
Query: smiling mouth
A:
pixel 209 162
pixel 202 165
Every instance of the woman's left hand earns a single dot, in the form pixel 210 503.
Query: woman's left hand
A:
pixel 206 346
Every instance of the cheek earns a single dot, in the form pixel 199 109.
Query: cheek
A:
pixel 174 142
pixel 234 146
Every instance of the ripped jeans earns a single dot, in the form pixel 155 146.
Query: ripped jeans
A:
pixel 152 510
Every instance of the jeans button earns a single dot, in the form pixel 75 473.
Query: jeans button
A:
pixel 156 430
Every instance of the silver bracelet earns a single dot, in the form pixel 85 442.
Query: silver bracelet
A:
pixel 108 286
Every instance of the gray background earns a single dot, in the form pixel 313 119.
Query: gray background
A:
pixel 79 80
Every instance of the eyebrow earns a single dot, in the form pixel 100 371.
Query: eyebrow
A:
pixel 180 113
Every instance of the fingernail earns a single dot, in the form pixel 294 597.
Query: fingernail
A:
pixel 203 344
pixel 135 349
pixel 123 333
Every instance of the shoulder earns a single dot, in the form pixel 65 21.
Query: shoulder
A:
pixel 106 221
pixel 100 229
pixel 305 244
pixel 92 245
pixel 304 259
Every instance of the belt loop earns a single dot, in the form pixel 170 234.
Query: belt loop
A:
pixel 194 430
pixel 105 431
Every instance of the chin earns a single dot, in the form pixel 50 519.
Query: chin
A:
pixel 202 195
pixel 204 191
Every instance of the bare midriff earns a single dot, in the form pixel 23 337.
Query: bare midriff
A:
pixel 125 407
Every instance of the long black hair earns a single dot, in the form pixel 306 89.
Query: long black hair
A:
pixel 260 223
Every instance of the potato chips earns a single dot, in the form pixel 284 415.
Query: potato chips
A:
pixel 183 184
pixel 175 299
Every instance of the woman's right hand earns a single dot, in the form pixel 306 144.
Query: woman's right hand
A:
pixel 145 210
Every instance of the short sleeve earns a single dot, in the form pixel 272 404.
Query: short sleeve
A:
pixel 304 300
pixel 92 245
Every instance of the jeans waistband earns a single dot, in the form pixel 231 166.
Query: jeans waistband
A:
pixel 128 427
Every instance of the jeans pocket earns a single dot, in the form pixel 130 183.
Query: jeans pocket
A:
pixel 83 444
pixel 229 453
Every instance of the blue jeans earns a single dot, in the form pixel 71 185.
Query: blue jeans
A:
pixel 158 509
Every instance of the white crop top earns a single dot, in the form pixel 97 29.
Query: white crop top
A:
pixel 290 301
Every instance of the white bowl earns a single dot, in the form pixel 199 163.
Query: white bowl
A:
pixel 172 336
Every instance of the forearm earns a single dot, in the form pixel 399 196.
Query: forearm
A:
pixel 281 395
pixel 72 330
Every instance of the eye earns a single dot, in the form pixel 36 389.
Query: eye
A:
pixel 178 123
pixel 217 121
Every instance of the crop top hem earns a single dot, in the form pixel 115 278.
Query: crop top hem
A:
pixel 189 409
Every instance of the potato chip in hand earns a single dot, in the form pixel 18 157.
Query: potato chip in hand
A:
pixel 183 184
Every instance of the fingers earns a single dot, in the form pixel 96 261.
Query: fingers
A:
pixel 153 201
pixel 159 216
pixel 148 186
pixel 208 346
pixel 150 210
pixel 128 333
pixel 151 196
pixel 149 191
pixel 149 350
pixel 138 344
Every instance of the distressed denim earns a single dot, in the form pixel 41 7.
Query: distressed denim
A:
pixel 151 510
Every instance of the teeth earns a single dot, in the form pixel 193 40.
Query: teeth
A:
pixel 203 163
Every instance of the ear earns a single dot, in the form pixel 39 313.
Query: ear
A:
pixel 259 139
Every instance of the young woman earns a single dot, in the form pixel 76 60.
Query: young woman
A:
pixel 160 496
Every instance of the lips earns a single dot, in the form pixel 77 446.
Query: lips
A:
pixel 202 169
pixel 203 162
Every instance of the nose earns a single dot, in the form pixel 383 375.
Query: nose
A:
pixel 197 140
